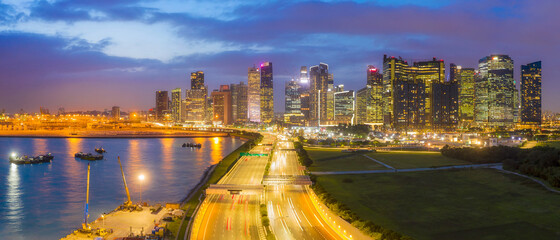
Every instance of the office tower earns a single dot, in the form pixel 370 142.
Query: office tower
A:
pixel 344 106
pixel 195 105
pixel 319 85
pixel 362 101
pixel 330 99
pixel 375 104
pixel 495 89
pixel 162 104
pixel 221 104
pixel 445 105
pixel 239 102
pixel 197 80
pixel 116 113
pixel 531 94
pixel 394 70
pixel 465 77
pixel 267 93
pixel 254 94
pixel 429 72
pixel 292 110
pixel 304 92
pixel 176 105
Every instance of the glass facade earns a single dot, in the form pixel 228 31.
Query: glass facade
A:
pixel 176 111
pixel 197 80
pixel 254 94
pixel 495 103
pixel 267 93
pixel 531 94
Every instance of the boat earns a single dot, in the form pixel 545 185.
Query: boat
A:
pixel 192 145
pixel 88 156
pixel 30 160
pixel 100 150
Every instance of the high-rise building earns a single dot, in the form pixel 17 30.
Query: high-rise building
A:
pixel 221 101
pixel 304 92
pixel 239 102
pixel 195 105
pixel 362 101
pixel 267 93
pixel 531 94
pixel 330 99
pixel 495 92
pixel 465 77
pixel 292 110
pixel 429 72
pixel 375 104
pixel 344 107
pixel 197 80
pixel 394 70
pixel 116 113
pixel 162 104
pixel 176 105
pixel 254 94
pixel 318 92
pixel 445 105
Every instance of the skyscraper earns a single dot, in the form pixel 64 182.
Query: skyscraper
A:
pixel 267 93
pixel 195 105
pixel 197 80
pixel 429 72
pixel 254 94
pixel 319 85
pixel 221 101
pixel 162 104
pixel 466 80
pixel 176 105
pixel 116 112
pixel 344 107
pixel 362 100
pixel 531 94
pixel 292 110
pixel 375 103
pixel 304 92
pixel 495 89
pixel 394 70
pixel 239 102
pixel 445 105
pixel 330 99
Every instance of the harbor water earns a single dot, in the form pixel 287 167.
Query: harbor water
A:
pixel 46 201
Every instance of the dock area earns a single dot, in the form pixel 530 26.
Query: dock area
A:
pixel 119 224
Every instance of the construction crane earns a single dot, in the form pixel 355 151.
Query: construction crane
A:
pixel 85 225
pixel 128 203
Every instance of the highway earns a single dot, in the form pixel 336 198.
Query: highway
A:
pixel 227 216
pixel 293 210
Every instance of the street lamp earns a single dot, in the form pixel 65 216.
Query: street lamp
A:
pixel 103 219
pixel 141 178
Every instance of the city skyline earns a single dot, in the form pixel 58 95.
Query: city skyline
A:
pixel 70 69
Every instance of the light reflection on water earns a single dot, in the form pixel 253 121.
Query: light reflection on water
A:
pixel 45 201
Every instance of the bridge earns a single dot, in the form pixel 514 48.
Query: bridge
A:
pixel 235 189
pixel 287 180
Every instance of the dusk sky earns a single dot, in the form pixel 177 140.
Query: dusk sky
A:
pixel 93 54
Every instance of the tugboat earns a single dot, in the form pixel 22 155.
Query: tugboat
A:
pixel 88 156
pixel 100 150
pixel 30 160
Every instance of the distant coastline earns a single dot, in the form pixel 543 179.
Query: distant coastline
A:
pixel 112 133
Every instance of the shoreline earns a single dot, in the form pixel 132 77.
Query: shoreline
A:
pixel 112 134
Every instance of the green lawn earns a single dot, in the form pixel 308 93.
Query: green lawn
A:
pixel 455 204
pixel 414 159
pixel 555 144
pixel 325 160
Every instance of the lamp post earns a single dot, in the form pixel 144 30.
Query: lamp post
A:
pixel 141 178
pixel 103 219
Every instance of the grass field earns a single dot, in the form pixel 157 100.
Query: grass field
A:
pixel 325 160
pixel 555 144
pixel 414 159
pixel 455 204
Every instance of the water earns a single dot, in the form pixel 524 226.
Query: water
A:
pixel 46 201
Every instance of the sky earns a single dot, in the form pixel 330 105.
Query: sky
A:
pixel 94 54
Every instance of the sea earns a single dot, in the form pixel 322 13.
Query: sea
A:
pixel 46 201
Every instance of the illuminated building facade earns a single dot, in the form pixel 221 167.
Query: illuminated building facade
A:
pixel 221 104
pixel 429 73
pixel 162 104
pixel 445 105
pixel 304 92
pixel 292 107
pixel 495 92
pixel 344 107
pixel 197 80
pixel 375 105
pixel 330 99
pixel 319 85
pixel 239 102
pixel 394 70
pixel 254 94
pixel 116 112
pixel 176 105
pixel 531 94
pixel 267 93
pixel 465 77
pixel 362 101
pixel 195 105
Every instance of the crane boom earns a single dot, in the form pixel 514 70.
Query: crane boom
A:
pixel 128 202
